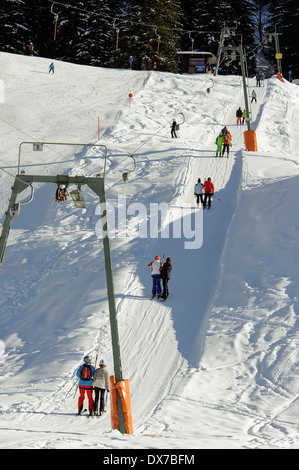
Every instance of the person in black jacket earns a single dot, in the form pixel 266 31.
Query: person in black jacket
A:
pixel 165 276
pixel 173 129
pixel 239 115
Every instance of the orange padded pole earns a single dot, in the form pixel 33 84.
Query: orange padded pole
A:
pixel 250 141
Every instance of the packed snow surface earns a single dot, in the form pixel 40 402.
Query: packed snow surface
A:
pixel 215 366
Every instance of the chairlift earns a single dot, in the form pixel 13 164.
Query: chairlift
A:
pixel 117 34
pixel 61 193
pixel 55 20
pixel 15 209
pixel 183 117
pixel 78 198
pixel 30 198
pixel 125 175
pixel 192 41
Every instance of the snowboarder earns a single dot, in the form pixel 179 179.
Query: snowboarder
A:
pixel 219 143
pixel 253 96
pixel 173 129
pixel 244 116
pixel 155 270
pixel 165 276
pixel 51 68
pixel 226 142
pixel 239 115
pixel 209 192
pixel 198 191
pixel 100 384
pixel 85 374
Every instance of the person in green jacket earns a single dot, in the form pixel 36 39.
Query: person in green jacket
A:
pixel 244 116
pixel 219 142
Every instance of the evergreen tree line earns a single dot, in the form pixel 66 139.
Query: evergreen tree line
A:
pixel 107 32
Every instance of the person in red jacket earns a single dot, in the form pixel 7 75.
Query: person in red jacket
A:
pixel 209 192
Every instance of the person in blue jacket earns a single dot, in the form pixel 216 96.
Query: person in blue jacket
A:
pixel 51 68
pixel 85 374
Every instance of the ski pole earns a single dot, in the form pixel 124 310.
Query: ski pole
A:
pixel 75 391
pixel 72 387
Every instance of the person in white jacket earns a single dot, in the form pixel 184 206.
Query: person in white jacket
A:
pixel 100 385
pixel 198 191
pixel 155 269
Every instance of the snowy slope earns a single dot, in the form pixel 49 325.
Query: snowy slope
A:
pixel 214 366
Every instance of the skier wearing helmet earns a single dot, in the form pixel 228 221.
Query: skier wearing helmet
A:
pixel 155 270
pixel 101 384
pixel 85 374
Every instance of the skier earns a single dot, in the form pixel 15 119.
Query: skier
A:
pixel 209 192
pixel 85 374
pixel 130 62
pixel 263 78
pixel 173 129
pixel 100 384
pixel 239 115
pixel 51 68
pixel 226 142
pixel 253 96
pixel 258 79
pixel 155 270
pixel 224 131
pixel 198 191
pixel 244 116
pixel 31 48
pixel 219 143
pixel 165 276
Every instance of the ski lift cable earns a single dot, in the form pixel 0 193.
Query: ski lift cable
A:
pixel 28 184
pixel 162 127
pixel 131 21
pixel 168 122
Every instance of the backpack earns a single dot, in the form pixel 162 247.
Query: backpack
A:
pixel 85 373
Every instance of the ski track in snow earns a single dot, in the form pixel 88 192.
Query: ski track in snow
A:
pixel 213 366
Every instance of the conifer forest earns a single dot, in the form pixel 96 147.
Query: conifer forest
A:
pixel 107 32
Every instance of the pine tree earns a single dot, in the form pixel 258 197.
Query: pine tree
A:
pixel 13 26
pixel 207 18
pixel 285 16
pixel 150 32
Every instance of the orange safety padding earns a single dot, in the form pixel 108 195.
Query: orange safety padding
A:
pixel 280 77
pixel 250 141
pixel 123 389
pixel 113 404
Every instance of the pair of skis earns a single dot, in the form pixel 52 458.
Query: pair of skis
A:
pixel 159 297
